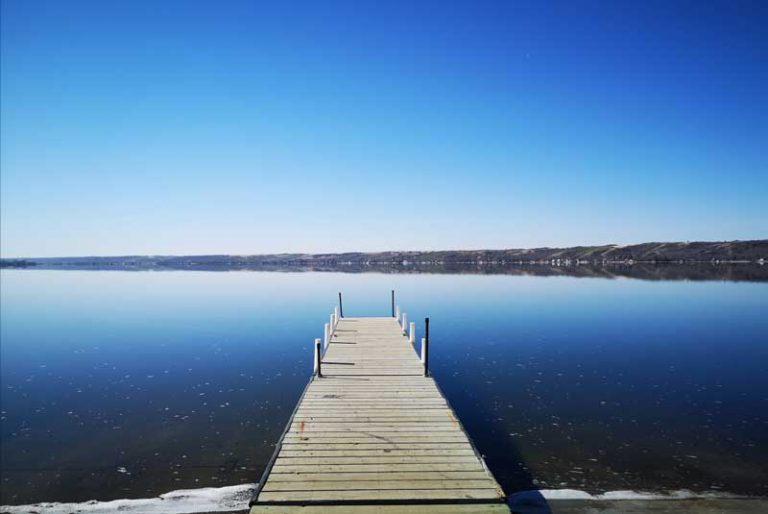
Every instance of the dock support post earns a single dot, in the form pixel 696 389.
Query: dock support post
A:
pixel 393 303
pixel 425 347
pixel 336 312
pixel 327 335
pixel 404 324
pixel 333 325
pixel 412 333
pixel 317 358
pixel 341 307
pixel 397 313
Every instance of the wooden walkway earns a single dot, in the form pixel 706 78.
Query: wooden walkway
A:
pixel 373 434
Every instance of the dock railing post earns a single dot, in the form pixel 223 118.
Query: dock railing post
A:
pixel 341 307
pixel 425 347
pixel 317 358
pixel 404 324
pixel 397 313
pixel 336 312
pixel 327 335
pixel 333 325
pixel 393 303
pixel 412 333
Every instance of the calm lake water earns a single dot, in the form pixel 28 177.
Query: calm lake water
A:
pixel 131 384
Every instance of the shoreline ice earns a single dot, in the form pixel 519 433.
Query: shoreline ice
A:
pixel 182 501
pixel 682 494
pixel 236 497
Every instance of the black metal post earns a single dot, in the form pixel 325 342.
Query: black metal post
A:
pixel 341 307
pixel 426 353
pixel 319 357
pixel 393 303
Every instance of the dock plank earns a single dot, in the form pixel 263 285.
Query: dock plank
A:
pixel 380 494
pixel 485 508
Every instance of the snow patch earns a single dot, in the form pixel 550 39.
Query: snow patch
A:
pixel 683 494
pixel 183 501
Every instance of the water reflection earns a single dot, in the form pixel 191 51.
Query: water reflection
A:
pixel 133 384
pixel 699 271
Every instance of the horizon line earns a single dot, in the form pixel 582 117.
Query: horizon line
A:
pixel 388 251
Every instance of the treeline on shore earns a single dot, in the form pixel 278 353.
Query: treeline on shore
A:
pixel 755 251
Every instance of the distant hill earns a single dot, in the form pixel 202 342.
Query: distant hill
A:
pixel 733 260
pixel 658 253
pixel 15 263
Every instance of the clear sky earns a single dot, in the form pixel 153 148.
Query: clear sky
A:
pixel 250 127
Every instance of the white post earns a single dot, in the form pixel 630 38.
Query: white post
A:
pixel 423 349
pixel 333 324
pixel 317 356
pixel 336 313
pixel 404 324
pixel 327 335
pixel 412 336
pixel 397 313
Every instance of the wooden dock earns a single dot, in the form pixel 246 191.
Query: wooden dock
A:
pixel 372 433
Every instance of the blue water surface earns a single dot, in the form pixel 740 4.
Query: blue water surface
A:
pixel 129 384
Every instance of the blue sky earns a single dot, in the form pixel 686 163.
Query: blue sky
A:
pixel 251 127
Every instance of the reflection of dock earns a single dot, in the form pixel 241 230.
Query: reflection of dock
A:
pixel 373 433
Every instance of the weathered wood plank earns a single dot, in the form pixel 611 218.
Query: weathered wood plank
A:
pixel 380 485
pixel 392 412
pixel 370 427
pixel 370 404
pixel 468 460
pixel 382 494
pixel 372 394
pixel 414 417
pixel 352 440
pixel 403 475
pixel 378 436
pixel 371 419
pixel 484 508
pixel 368 452
pixel 456 445
pixel 292 467
pixel 373 388
pixel 373 425
pixel 333 399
